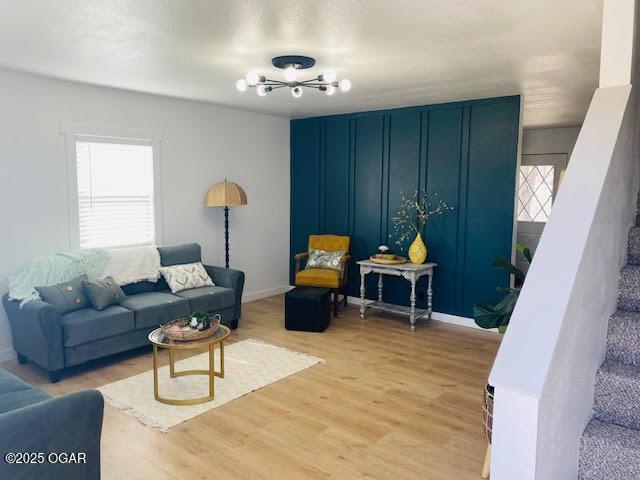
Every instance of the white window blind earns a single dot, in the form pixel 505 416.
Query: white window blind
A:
pixel 115 192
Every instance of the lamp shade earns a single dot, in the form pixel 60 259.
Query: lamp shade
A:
pixel 225 194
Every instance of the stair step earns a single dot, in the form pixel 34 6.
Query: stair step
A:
pixel 609 452
pixel 633 248
pixel 617 395
pixel 623 338
pixel 629 288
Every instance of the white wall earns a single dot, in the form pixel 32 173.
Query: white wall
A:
pixel 538 141
pixel 545 368
pixel 201 145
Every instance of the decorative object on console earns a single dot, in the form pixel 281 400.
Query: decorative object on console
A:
pixel 225 194
pixel 291 64
pixel 388 259
pixel 186 276
pixel 411 219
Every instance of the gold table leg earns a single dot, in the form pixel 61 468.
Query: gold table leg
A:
pixel 486 468
pixel 172 368
pixel 210 372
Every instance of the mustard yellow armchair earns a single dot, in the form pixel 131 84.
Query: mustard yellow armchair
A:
pixel 336 280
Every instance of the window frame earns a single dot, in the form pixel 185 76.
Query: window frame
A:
pixel 72 133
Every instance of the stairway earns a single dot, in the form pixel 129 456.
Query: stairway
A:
pixel 610 445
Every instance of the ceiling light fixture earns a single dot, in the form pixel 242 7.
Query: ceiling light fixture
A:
pixel 292 64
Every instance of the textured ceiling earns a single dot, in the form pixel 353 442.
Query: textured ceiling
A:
pixel 397 53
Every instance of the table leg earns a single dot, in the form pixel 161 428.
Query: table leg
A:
pixel 429 296
pixel 172 368
pixel 212 371
pixel 155 372
pixel 380 287
pixel 222 359
pixel 362 293
pixel 412 299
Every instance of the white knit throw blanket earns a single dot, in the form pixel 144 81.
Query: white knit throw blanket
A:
pixel 133 264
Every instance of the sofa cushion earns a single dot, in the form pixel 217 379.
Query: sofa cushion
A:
pixel 186 276
pixel 103 293
pixel 13 400
pixel 10 383
pixel 209 299
pixel 66 296
pixel 178 254
pixel 139 287
pixel 154 308
pixel 88 324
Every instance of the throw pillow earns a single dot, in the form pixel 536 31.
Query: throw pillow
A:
pixel 67 296
pixel 103 293
pixel 185 276
pixel 325 259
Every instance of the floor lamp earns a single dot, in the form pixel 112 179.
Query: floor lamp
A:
pixel 225 194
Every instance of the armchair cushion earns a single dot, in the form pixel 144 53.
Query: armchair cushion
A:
pixel 330 243
pixel 319 277
pixel 325 259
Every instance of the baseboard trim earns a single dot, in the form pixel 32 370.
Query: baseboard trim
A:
pixel 269 292
pixel 441 317
pixel 7 354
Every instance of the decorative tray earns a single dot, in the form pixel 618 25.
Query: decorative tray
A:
pixel 388 259
pixel 179 330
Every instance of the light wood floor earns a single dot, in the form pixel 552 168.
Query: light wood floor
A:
pixel 388 404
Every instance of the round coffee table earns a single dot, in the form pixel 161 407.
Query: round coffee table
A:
pixel 158 340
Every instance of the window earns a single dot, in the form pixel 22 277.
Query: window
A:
pixel 535 192
pixel 115 192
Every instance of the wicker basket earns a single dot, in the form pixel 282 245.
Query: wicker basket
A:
pixel 487 411
pixel 191 334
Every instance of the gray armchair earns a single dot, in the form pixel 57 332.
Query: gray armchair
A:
pixel 31 421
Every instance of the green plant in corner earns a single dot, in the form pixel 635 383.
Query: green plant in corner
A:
pixel 498 315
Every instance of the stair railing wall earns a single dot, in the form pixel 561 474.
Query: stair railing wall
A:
pixel 545 368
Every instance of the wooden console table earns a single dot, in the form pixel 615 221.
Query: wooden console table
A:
pixel 410 272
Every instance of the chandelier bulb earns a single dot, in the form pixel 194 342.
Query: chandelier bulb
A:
pixel 262 90
pixel 296 92
pixel 330 90
pixel 241 85
pixel 290 74
pixel 344 85
pixel 253 78
pixel 329 76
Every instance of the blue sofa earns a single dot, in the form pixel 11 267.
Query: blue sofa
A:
pixel 32 421
pixel 54 341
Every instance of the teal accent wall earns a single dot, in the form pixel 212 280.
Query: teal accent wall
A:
pixel 348 171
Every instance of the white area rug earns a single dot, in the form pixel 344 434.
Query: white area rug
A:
pixel 249 365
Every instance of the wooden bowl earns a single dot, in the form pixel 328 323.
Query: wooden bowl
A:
pixel 385 260
pixel 172 330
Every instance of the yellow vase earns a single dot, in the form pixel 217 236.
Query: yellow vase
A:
pixel 418 250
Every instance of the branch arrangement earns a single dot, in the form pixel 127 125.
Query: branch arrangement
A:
pixel 413 214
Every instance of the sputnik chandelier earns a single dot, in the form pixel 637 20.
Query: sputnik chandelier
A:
pixel 292 64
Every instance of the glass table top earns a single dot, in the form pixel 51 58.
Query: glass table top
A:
pixel 158 338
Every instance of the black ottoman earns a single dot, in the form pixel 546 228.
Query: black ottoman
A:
pixel 307 309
